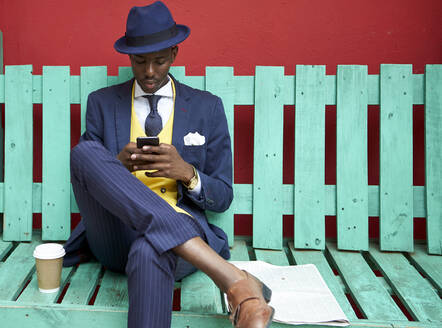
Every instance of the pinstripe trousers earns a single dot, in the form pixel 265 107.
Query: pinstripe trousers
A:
pixel 130 228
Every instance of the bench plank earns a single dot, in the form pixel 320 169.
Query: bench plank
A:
pixel 372 298
pixel 5 247
pixel 200 294
pixel 433 156
pixel 48 316
pixel 396 158
pixel 17 269
pixel 430 265
pixel 351 158
pixel 113 290
pixel 33 295
pixel 274 257
pixel 91 79
pixel 309 193
pixel 267 158
pixel 219 81
pixel 239 251
pixel 317 258
pixel 56 187
pixel 415 293
pixel 82 284
pixel 18 154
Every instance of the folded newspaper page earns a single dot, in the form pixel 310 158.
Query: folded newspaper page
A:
pixel 299 294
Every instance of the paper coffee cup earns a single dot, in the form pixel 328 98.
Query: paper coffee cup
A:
pixel 49 261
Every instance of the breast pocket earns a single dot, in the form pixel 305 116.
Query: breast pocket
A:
pixel 195 155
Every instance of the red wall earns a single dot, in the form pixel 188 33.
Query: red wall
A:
pixel 239 33
pixel 242 34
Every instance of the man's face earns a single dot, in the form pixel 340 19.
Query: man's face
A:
pixel 151 69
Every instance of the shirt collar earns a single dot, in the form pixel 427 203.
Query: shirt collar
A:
pixel 164 91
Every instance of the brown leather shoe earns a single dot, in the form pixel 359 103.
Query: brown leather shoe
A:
pixel 247 304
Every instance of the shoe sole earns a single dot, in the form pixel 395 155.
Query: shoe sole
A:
pixel 266 293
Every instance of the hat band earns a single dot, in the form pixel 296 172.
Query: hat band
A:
pixel 144 40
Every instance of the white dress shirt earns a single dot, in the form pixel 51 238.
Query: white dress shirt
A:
pixel 164 107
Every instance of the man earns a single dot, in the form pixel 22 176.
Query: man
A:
pixel 143 208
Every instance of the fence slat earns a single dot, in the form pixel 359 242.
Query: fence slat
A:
pixel 351 158
pixel 18 154
pixel 433 157
pixel 219 81
pixel 309 192
pixel 267 157
pixel 91 79
pixel 56 209
pixel 396 158
pixel 124 74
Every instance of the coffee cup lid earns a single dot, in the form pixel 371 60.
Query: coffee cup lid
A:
pixel 49 251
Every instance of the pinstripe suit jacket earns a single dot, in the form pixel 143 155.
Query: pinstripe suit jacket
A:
pixel 108 119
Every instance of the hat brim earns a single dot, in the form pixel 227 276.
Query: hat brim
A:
pixel 122 47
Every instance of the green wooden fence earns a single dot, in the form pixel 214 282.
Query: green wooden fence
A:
pixel 396 89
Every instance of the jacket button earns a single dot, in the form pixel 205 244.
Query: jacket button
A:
pixel 163 190
pixel 210 202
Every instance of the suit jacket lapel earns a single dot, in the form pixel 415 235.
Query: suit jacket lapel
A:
pixel 181 116
pixel 123 113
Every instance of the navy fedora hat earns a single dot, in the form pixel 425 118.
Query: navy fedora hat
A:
pixel 150 28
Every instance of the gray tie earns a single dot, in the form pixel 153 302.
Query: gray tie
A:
pixel 153 124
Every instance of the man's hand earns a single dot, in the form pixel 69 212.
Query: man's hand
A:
pixel 126 153
pixel 164 159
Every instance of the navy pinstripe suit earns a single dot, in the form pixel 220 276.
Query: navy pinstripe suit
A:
pixel 127 226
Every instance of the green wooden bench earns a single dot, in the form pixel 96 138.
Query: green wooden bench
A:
pixel 409 275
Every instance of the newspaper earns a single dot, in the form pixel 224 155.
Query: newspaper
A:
pixel 299 294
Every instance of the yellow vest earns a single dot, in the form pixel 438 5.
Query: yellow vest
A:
pixel 164 187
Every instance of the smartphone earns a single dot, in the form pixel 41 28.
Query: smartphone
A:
pixel 147 141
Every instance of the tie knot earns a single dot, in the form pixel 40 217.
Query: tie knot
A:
pixel 153 101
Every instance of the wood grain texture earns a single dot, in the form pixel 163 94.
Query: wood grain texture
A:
pixel 5 247
pixel 82 284
pixel 351 158
pixel 48 316
pixel 33 295
pixel 429 265
pixel 371 297
pixel 113 290
pixel 396 158
pixel 275 257
pixel 56 187
pixel 433 157
pixel 219 81
pixel 267 158
pixel 18 154
pixel 16 270
pixel 239 251
pixel 420 300
pixel 309 192
pixel 200 294
pixel 91 79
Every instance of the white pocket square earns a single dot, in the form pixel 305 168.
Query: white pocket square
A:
pixel 194 139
